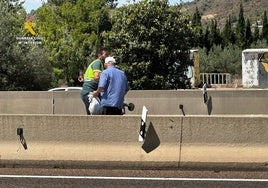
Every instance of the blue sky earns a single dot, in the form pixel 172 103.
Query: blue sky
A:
pixel 32 4
pixel 35 4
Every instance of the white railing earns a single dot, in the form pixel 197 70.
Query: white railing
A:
pixel 216 78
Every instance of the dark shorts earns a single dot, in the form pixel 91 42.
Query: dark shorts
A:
pixel 108 110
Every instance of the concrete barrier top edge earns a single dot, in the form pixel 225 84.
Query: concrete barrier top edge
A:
pixel 113 116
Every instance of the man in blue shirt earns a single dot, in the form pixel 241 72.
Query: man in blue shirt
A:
pixel 113 86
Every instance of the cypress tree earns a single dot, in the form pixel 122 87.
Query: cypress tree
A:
pixel 215 33
pixel 207 40
pixel 248 35
pixel 196 21
pixel 228 35
pixel 240 29
pixel 256 34
pixel 265 27
pixel 196 18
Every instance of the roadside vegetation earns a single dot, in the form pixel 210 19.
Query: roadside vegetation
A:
pixel 151 41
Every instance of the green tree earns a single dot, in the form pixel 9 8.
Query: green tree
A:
pixel 256 34
pixel 207 41
pixel 240 29
pixel 22 67
pixel 228 35
pixel 248 34
pixel 151 41
pixel 265 27
pixel 72 32
pixel 259 44
pixel 198 30
pixel 227 60
pixel 215 35
pixel 56 2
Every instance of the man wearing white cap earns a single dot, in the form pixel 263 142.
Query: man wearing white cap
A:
pixel 113 86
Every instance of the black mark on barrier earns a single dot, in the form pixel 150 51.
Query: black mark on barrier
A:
pixel 182 110
pixel 205 94
pixel 209 105
pixel 207 99
pixel 22 139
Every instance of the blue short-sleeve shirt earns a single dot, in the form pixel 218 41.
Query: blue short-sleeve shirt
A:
pixel 115 85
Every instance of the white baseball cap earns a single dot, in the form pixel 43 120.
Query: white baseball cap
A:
pixel 110 60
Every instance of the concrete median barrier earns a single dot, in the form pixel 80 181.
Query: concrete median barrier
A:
pixel 158 102
pixel 171 141
pixel 225 141
pixel 86 138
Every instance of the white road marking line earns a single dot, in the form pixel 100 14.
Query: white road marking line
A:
pixel 134 178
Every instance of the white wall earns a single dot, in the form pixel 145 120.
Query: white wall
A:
pixel 253 74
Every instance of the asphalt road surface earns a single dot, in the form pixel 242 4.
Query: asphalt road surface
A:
pixel 116 178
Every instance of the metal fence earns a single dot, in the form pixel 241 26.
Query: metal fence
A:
pixel 216 78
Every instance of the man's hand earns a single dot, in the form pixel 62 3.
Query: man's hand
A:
pixel 95 94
